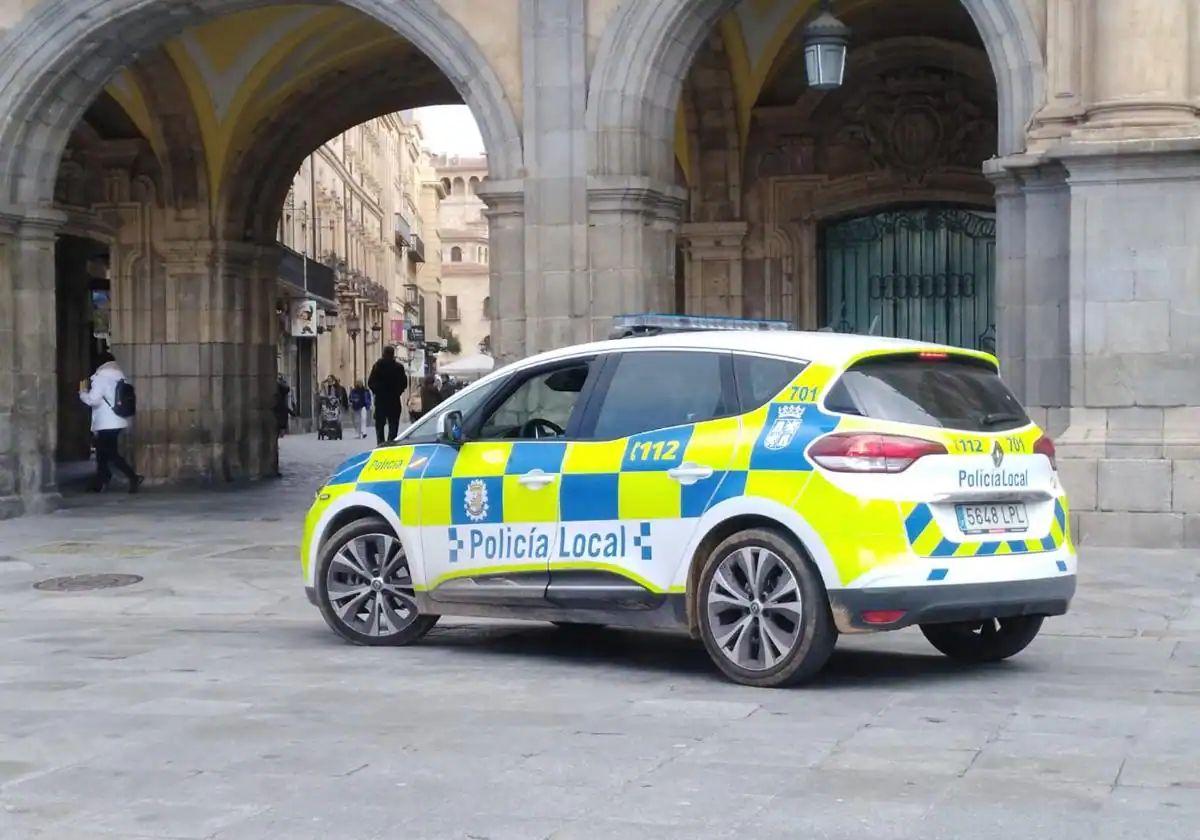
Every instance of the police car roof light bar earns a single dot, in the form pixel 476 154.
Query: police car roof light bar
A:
pixel 653 323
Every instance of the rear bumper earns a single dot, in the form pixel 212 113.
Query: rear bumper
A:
pixel 947 603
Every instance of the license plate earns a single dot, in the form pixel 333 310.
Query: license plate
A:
pixel 992 518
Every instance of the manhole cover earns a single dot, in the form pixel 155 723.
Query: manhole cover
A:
pixel 82 583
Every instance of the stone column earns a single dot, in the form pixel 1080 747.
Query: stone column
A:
pixel 557 288
pixel 714 251
pixel 28 388
pixel 632 247
pixel 202 356
pixel 506 265
pixel 1134 333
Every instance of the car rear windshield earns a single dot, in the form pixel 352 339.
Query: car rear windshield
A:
pixel 947 392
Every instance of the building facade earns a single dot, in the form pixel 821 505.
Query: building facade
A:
pixel 466 285
pixel 352 227
pixel 1023 174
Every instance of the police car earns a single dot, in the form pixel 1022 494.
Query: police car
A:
pixel 762 489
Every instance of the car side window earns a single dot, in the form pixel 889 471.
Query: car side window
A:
pixel 539 407
pixel 657 389
pixel 427 428
pixel 760 378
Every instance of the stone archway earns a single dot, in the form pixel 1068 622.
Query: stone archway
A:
pixel 647 51
pixel 53 64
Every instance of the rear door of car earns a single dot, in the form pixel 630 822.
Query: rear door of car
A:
pixel 657 444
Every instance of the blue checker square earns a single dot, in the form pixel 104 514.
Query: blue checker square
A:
pixel 586 497
pixel 456 544
pixel 694 498
pixel 441 461
pixel 789 429
pixel 527 456
pixel 1062 566
pixel 938 574
pixel 389 491
pixel 656 451
pixel 349 470
pixel 477 501
pixel 641 540
pixel 419 459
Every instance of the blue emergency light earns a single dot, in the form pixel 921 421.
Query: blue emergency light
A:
pixel 628 326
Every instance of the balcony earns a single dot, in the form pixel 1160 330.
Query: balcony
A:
pixel 306 277
pixel 416 249
pixel 403 232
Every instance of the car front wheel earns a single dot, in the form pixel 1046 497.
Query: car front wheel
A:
pixel 989 640
pixel 763 611
pixel 365 586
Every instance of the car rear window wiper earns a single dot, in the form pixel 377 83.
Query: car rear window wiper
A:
pixel 998 417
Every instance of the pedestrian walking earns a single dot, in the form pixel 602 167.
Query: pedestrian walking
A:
pixel 360 404
pixel 387 382
pixel 282 408
pixel 112 401
pixel 431 394
pixel 414 405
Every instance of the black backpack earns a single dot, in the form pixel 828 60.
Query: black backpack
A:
pixel 124 402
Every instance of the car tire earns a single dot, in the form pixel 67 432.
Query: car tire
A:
pixel 989 640
pixel 784 640
pixel 365 588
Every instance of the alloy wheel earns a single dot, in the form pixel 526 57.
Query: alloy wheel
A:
pixel 370 586
pixel 754 608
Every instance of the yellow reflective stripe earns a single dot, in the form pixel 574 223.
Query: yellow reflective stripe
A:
pixel 967 549
pixel 584 565
pixel 712 441
pixel 435 501
pixel 594 456
pixel 410 503
pixel 387 464
pixel 928 539
pixel 525 504
pixel 477 571
pixel 482 459
pixel 648 495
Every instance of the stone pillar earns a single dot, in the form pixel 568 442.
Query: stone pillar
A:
pixel 506 266
pixel 28 387
pixel 1132 449
pixel 632 248
pixel 558 294
pixel 714 252
pixel 201 352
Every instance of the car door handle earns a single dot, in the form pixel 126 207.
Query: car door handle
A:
pixel 536 479
pixel 690 473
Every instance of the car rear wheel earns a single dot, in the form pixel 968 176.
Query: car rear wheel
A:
pixel 989 640
pixel 365 586
pixel 763 611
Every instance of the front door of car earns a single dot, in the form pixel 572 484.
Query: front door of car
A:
pixel 662 435
pixel 489 521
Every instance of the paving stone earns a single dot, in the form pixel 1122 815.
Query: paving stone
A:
pixel 214 702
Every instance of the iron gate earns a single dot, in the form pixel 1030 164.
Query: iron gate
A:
pixel 925 273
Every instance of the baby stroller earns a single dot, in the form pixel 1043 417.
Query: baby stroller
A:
pixel 331 418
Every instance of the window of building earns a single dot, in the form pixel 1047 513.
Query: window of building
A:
pixel 452 307
pixel 456 254
pixel 656 390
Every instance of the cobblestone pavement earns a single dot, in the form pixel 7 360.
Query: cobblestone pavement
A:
pixel 210 700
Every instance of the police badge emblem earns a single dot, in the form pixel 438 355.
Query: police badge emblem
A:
pixel 783 431
pixel 475 500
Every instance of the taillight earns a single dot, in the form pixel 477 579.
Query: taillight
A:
pixel 871 453
pixel 1045 446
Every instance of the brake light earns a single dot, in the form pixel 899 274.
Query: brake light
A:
pixel 930 355
pixel 882 616
pixel 1045 446
pixel 871 453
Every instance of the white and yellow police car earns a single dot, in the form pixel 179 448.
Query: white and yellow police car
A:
pixel 764 490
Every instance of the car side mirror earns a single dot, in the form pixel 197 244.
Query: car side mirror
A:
pixel 452 428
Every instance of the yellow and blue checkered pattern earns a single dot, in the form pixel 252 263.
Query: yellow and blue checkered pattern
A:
pixel 927 539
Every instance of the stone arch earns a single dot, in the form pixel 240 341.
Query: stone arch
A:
pixel 53 63
pixel 647 51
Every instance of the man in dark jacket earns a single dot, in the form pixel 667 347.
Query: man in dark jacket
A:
pixel 387 382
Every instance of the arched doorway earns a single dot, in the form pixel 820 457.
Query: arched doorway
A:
pixel 177 167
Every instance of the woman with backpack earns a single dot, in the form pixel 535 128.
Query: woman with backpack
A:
pixel 111 399
pixel 360 405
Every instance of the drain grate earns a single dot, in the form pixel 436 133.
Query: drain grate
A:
pixel 84 583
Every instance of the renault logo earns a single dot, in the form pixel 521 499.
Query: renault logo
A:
pixel 997 455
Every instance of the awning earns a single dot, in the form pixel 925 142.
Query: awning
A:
pixel 477 365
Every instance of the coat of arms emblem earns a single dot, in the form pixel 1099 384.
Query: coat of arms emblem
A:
pixel 476 500
pixel 783 431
